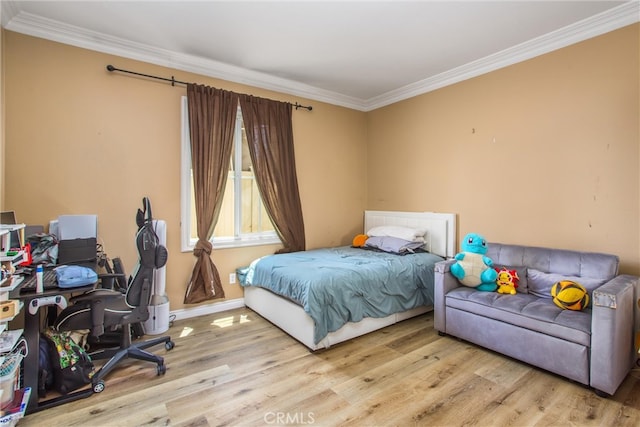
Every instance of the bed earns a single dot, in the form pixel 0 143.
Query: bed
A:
pixel 322 315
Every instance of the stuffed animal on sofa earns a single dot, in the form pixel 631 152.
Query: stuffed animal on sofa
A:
pixel 472 268
pixel 507 280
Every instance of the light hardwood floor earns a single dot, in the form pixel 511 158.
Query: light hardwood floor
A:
pixel 236 369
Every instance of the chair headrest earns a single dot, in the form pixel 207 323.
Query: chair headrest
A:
pixel 144 215
pixel 152 253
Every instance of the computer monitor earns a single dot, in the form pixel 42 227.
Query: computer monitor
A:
pixel 77 227
pixel 9 217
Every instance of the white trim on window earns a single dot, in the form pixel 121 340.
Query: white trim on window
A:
pixel 237 177
pixel 186 243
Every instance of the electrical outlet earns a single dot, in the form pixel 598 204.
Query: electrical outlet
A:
pixel 232 278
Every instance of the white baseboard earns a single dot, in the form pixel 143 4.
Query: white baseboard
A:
pixel 202 310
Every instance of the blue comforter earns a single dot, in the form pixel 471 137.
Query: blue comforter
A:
pixel 345 284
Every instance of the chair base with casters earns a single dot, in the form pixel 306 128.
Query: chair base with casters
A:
pixel 128 350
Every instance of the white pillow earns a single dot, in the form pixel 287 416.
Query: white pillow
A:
pixel 393 245
pixel 406 233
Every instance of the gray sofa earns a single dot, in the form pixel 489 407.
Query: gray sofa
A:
pixel 594 347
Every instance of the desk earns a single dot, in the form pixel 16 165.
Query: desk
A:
pixel 32 336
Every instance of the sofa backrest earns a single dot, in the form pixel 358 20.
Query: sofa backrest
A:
pixel 545 266
pixel 561 261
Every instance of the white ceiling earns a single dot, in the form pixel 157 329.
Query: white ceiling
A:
pixel 358 54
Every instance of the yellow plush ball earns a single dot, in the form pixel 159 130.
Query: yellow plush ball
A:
pixel 570 295
pixel 360 240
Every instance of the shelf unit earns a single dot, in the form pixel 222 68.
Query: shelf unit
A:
pixel 13 258
pixel 9 339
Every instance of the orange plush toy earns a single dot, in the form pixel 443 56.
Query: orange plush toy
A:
pixel 507 281
pixel 359 240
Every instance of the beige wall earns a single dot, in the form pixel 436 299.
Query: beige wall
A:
pixel 545 152
pixel 82 140
pixel 562 172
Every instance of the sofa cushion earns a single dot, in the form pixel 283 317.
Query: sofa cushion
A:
pixel 540 283
pixel 526 311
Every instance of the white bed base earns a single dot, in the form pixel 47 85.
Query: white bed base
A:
pixel 291 318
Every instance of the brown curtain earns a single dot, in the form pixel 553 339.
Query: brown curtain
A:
pixel 212 116
pixel 270 136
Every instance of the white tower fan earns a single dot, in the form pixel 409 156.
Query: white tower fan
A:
pixel 158 321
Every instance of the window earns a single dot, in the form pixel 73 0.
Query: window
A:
pixel 243 221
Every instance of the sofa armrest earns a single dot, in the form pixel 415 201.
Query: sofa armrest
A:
pixel 444 282
pixel 612 332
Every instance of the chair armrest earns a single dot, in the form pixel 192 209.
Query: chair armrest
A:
pixel 108 280
pixel 612 332
pixel 444 282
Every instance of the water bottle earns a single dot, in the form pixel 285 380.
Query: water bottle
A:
pixel 39 282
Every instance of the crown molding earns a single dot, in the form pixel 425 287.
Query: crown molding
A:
pixel 613 19
pixel 7 11
pixel 37 26
pixel 15 20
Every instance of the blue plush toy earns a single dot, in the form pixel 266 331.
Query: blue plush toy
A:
pixel 473 268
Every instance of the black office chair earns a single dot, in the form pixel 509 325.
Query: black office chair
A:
pixel 114 278
pixel 102 309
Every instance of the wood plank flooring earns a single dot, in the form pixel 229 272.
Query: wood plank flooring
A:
pixel 237 369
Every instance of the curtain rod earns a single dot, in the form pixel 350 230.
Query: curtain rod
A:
pixel 174 82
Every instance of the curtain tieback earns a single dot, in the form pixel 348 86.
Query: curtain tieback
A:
pixel 202 245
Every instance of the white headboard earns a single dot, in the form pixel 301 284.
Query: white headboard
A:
pixel 441 227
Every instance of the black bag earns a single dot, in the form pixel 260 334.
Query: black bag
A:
pixel 45 373
pixel 71 365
